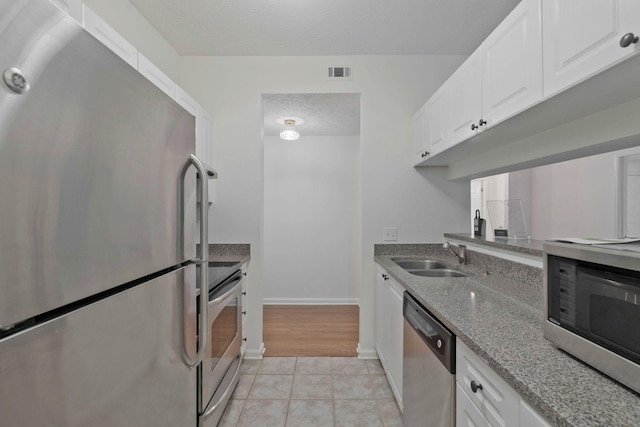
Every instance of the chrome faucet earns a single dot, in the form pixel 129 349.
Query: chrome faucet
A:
pixel 461 255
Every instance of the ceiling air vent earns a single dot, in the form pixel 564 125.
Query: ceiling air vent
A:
pixel 339 73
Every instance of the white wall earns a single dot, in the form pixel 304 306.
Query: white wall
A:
pixel 420 202
pixel 577 198
pixel 311 195
pixel 130 24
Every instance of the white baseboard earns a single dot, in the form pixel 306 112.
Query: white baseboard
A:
pixel 366 353
pixel 311 301
pixel 254 354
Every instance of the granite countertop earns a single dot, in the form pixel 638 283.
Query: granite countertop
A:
pixel 501 320
pixel 523 246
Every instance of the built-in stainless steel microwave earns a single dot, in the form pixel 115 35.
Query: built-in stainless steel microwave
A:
pixel 592 306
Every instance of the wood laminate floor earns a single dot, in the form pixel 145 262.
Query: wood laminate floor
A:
pixel 311 330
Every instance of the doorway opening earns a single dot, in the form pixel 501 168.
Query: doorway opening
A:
pixel 311 224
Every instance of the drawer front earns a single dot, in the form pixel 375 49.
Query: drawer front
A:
pixel 495 399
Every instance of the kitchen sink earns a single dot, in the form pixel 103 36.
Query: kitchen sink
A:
pixel 437 273
pixel 420 264
pixel 427 268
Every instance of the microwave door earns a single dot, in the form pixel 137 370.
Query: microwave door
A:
pixel 608 309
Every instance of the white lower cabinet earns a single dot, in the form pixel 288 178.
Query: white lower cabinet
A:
pixel 389 329
pixel 530 418
pixel 243 284
pixel 466 412
pixel 485 399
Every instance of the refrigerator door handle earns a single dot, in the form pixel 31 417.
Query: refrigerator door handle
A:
pixel 202 187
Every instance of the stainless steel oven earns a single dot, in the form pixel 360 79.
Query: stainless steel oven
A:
pixel 593 306
pixel 221 364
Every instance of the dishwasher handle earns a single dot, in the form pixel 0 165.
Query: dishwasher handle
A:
pixel 435 335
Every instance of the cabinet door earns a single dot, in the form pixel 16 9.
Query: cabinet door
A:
pixel 498 403
pixel 419 135
pixel 582 37
pixel 438 121
pixel 381 318
pixel 466 99
pixel 73 8
pixel 156 76
pixel 512 64
pixel 396 332
pixel 467 415
pixel 109 37
pixel 530 418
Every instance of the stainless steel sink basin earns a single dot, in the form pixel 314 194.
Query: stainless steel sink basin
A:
pixel 420 264
pixel 437 273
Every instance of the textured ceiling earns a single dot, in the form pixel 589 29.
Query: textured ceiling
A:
pixel 324 27
pixel 324 114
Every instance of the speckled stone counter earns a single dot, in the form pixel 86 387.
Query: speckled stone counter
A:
pixel 529 247
pixel 240 252
pixel 501 320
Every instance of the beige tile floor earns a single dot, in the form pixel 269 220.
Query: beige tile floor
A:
pixel 312 392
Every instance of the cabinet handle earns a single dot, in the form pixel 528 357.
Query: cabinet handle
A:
pixel 482 122
pixel 628 39
pixel 475 386
pixel 425 154
pixel 244 273
pixel 244 339
pixel 244 293
pixel 563 310
pixel 474 126
pixel 563 291
pixel 244 312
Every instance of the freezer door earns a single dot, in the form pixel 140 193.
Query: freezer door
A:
pixel 118 362
pixel 91 163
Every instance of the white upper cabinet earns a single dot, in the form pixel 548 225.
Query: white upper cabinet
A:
pixel 466 100
pixel 109 37
pixel 156 76
pixel 583 37
pixel 73 8
pixel 419 135
pixel 438 121
pixel 512 64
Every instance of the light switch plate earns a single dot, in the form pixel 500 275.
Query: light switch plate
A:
pixel 390 234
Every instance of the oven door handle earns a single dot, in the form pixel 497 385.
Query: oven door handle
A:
pixel 229 389
pixel 225 295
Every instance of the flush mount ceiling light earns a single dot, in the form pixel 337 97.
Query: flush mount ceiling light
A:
pixel 289 130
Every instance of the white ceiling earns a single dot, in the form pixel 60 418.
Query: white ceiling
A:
pixel 324 114
pixel 324 27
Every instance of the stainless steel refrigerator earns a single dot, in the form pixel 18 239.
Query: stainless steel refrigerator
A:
pixel 98 223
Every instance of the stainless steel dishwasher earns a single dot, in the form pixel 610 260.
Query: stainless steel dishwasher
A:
pixel 428 366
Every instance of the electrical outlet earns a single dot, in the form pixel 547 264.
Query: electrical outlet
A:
pixel 389 234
